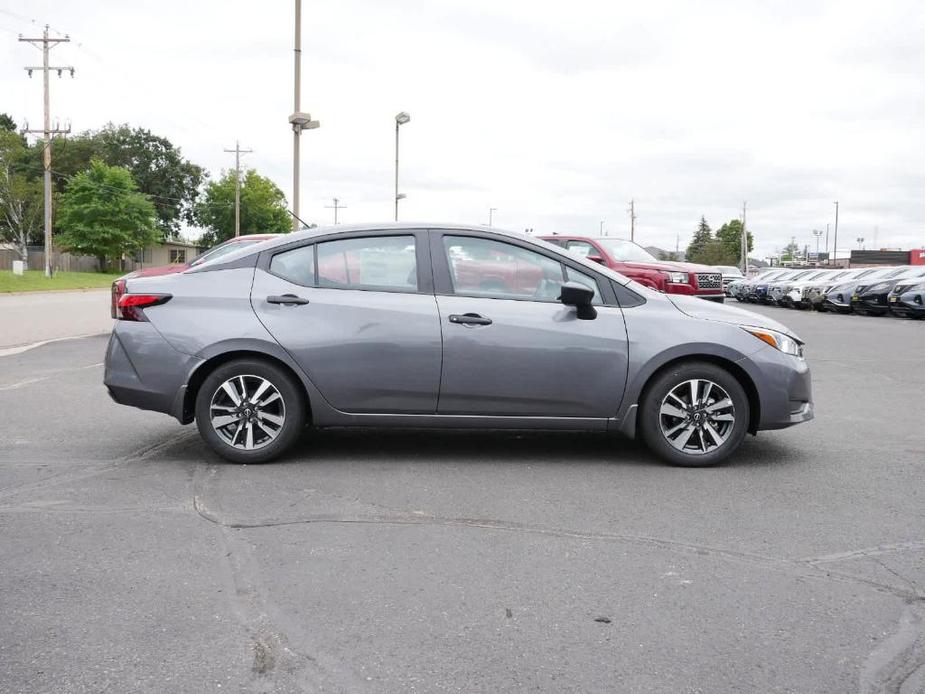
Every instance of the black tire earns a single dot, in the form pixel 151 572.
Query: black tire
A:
pixel 649 419
pixel 293 409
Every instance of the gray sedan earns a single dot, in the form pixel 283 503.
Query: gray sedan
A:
pixel 437 325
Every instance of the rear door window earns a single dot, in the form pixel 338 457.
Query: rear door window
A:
pixel 385 263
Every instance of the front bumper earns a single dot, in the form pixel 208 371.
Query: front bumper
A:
pixel 784 386
pixel 876 304
pixel 910 304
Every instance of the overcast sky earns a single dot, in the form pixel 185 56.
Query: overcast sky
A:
pixel 556 113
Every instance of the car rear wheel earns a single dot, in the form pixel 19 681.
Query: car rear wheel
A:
pixel 249 411
pixel 694 414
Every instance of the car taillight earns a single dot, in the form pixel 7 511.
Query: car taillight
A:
pixel 129 306
pixel 118 289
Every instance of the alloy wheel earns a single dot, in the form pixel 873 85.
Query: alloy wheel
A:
pixel 697 416
pixel 247 412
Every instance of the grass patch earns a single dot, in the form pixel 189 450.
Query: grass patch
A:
pixel 35 281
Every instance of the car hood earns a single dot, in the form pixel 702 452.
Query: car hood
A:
pixel 668 266
pixel 693 267
pixel 724 313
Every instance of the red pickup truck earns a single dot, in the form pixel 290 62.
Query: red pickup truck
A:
pixel 637 263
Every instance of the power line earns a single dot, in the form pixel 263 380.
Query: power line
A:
pixel 47 43
pixel 237 184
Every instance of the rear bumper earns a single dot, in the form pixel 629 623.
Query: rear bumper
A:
pixel 142 370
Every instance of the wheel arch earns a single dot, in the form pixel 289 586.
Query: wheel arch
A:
pixel 217 359
pixel 730 365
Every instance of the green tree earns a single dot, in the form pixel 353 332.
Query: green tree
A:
pixel 103 214
pixel 157 167
pixel 21 204
pixel 702 237
pixel 730 234
pixel 715 253
pixel 7 123
pixel 263 208
pixel 159 170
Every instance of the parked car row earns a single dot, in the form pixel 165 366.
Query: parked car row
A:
pixel 898 290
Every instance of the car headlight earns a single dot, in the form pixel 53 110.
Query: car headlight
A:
pixel 778 340
pixel 676 277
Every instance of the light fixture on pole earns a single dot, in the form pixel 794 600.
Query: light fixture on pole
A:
pixel 818 234
pixel 400 119
pixel 860 240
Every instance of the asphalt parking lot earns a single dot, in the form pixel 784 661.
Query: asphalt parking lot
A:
pixel 133 560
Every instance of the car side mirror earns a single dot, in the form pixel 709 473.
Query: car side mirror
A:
pixel 580 296
pixel 596 259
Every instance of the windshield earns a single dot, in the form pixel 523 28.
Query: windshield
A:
pixel 224 249
pixel 627 251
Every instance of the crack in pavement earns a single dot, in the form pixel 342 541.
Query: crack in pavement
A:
pixel 269 628
pixel 803 568
pixel 70 475
pixel 900 659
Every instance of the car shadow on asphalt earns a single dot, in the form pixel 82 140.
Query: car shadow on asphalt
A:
pixel 429 446
pixel 514 447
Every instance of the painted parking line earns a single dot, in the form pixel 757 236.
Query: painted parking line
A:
pixel 19 349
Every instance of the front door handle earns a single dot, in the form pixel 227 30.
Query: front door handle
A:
pixel 287 299
pixel 469 319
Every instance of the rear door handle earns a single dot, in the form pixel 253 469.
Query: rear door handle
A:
pixel 287 299
pixel 469 319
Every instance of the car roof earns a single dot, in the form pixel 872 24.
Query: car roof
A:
pixel 331 230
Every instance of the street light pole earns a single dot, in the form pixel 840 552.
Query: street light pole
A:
pixel 299 121
pixel 835 244
pixel 400 119
pixel 491 213
pixel 295 130
pixel 818 234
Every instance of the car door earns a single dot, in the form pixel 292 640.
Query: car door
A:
pixel 358 314
pixel 509 347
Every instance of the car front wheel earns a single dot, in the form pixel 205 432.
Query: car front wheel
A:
pixel 249 411
pixel 694 414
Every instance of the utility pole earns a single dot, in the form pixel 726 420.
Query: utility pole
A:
pixel 47 44
pixel 835 245
pixel 601 232
pixel 828 262
pixel 632 211
pixel 336 206
pixel 299 121
pixel 491 214
pixel 743 242
pixel 237 184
